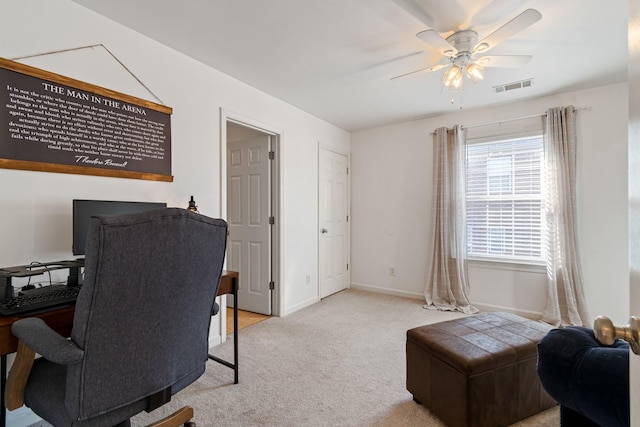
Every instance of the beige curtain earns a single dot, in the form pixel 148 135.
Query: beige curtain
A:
pixel 565 294
pixel 447 285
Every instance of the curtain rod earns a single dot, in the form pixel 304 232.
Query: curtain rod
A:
pixel 519 118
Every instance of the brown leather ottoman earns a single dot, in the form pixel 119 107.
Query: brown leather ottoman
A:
pixel 477 370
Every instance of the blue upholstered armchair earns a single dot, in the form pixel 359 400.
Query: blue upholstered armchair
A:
pixel 141 324
pixel 589 380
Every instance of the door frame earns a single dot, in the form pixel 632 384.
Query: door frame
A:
pixel 633 144
pixel 347 154
pixel 276 191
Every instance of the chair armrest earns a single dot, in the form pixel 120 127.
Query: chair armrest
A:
pixel 35 334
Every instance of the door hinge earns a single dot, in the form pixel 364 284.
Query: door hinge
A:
pixel 347 171
pixel 272 285
pixel 272 155
pixel 347 267
pixel 272 220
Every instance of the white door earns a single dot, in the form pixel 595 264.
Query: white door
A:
pixel 333 231
pixel 248 212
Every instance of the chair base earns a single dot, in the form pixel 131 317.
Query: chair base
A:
pixel 181 417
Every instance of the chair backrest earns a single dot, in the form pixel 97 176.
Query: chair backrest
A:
pixel 143 314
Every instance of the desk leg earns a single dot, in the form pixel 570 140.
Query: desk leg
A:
pixel 233 365
pixel 3 383
pixel 235 334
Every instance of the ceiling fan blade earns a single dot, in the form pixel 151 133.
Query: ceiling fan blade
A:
pixel 436 14
pixel 436 41
pixel 503 61
pixel 425 70
pixel 517 24
pixel 496 10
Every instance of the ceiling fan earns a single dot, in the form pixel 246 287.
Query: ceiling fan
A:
pixel 462 51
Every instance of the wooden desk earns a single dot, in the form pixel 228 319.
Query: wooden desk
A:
pixel 61 321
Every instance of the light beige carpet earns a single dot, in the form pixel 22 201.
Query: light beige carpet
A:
pixel 340 362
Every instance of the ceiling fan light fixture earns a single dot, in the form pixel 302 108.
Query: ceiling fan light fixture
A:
pixel 461 47
pixel 475 72
pixel 452 78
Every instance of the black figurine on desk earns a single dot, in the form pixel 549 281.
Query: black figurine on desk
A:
pixel 192 206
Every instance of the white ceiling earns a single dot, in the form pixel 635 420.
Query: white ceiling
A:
pixel 335 58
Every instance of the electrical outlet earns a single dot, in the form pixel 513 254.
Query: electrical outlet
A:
pixel 392 271
pixel 308 279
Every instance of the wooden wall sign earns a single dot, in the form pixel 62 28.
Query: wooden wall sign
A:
pixel 53 123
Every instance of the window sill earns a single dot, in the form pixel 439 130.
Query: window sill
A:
pixel 494 264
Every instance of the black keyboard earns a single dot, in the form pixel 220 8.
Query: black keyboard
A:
pixel 38 300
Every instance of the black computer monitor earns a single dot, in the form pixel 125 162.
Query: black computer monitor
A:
pixel 83 210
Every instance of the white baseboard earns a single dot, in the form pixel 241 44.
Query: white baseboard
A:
pixel 214 341
pixel 387 291
pixel 300 306
pixel 529 314
pixel 216 331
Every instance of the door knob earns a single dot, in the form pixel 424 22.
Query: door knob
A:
pixel 606 332
pixel 324 231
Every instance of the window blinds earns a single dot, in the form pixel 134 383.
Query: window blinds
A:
pixel 504 189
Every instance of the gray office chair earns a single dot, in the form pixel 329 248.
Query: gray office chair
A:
pixel 141 323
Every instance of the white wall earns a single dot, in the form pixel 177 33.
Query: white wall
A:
pixel 35 207
pixel 391 206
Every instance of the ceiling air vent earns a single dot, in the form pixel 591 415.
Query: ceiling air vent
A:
pixel 513 86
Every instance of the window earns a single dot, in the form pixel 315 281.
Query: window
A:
pixel 504 200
